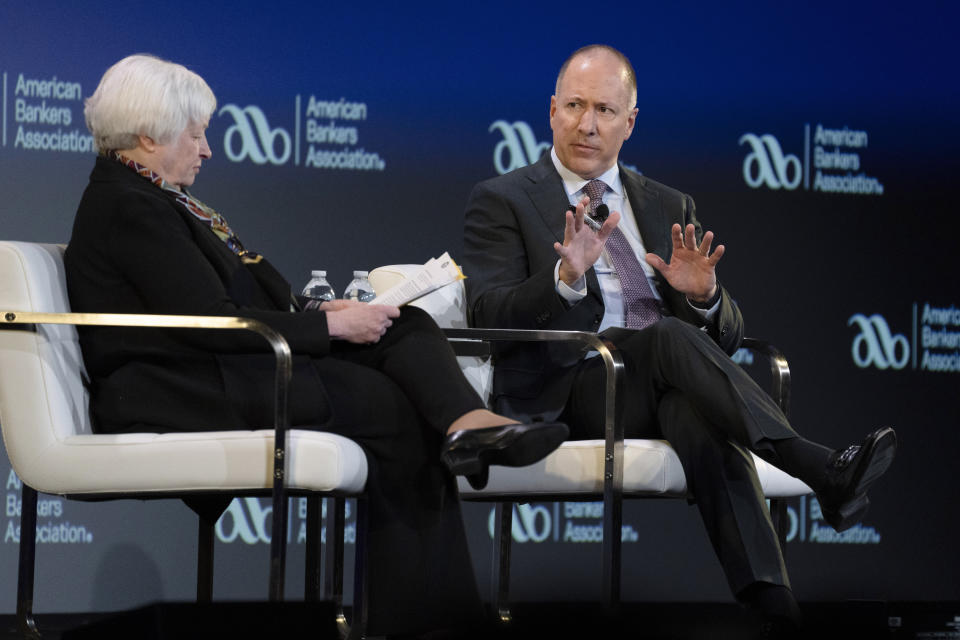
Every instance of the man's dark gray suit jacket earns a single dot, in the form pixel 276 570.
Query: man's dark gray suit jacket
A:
pixel 511 224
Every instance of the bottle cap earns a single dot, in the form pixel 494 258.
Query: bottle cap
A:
pixel 360 274
pixel 318 274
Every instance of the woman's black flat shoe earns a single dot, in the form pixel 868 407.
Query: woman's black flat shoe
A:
pixel 470 451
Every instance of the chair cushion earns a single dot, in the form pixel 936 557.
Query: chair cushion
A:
pixel 650 467
pixel 196 461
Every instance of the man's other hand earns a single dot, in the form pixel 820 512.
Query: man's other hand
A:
pixel 692 268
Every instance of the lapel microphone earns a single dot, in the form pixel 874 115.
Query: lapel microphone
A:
pixel 601 214
pixel 597 219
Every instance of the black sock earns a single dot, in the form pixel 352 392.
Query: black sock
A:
pixel 772 600
pixel 803 459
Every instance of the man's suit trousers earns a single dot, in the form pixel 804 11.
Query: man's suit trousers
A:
pixel 681 387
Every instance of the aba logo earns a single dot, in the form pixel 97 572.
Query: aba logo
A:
pixel 876 345
pixel 250 136
pixel 531 523
pixel 518 148
pixel 245 519
pixel 766 164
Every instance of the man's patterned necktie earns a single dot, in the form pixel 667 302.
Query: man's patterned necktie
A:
pixel 638 299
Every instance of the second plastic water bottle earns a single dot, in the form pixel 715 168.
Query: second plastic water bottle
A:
pixel 359 288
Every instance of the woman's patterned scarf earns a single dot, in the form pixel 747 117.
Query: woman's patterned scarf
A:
pixel 202 212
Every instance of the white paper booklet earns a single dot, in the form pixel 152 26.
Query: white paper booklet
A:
pixel 436 273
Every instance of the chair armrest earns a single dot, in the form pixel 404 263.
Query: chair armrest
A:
pixel 26 320
pixel 613 368
pixel 779 371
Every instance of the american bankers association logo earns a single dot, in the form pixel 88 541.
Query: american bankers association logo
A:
pixel 569 522
pixel 519 146
pixel 934 343
pixel 249 520
pixel 325 135
pixel 832 161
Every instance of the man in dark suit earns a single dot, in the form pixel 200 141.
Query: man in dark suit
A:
pixel 540 255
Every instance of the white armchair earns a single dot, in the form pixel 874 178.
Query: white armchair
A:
pixel 47 434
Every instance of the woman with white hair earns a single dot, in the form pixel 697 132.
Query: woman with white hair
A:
pixel 142 243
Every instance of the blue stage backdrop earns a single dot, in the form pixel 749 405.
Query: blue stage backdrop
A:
pixel 818 140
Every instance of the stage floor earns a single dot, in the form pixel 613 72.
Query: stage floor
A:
pixel 850 620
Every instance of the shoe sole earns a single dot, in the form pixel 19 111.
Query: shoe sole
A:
pixel 462 465
pixel 850 513
pixel 880 457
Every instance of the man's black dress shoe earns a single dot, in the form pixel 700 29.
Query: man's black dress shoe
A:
pixel 850 472
pixel 470 452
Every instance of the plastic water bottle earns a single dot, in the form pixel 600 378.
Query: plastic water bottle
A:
pixel 359 288
pixel 318 288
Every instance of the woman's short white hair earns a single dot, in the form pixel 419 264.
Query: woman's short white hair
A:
pixel 145 95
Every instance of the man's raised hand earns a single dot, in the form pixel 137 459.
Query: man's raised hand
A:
pixel 581 245
pixel 692 268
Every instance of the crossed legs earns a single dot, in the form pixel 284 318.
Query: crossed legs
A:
pixel 683 388
pixel 723 480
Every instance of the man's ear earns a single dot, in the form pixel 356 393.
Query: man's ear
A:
pixel 631 121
